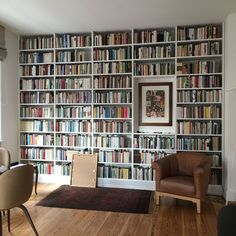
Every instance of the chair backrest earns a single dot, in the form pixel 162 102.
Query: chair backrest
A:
pixel 189 161
pixel 5 158
pixel 16 186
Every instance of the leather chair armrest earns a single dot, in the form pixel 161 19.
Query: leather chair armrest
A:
pixel 201 180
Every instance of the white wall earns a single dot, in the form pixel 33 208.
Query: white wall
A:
pixel 230 107
pixel 9 97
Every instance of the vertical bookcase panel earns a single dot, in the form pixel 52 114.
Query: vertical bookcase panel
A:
pixel 112 103
pixel 36 96
pixel 73 98
pixel 200 93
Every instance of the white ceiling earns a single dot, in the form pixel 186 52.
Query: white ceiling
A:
pixel 51 16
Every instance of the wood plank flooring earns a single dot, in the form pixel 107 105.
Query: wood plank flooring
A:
pixel 171 218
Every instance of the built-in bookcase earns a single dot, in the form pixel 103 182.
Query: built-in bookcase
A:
pixel 112 112
pixel 77 94
pixel 200 92
pixel 73 97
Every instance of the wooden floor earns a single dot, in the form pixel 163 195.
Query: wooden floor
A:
pixel 173 217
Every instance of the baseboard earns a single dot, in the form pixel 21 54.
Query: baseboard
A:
pixel 231 196
pixel 131 184
pixel 215 190
pixel 112 183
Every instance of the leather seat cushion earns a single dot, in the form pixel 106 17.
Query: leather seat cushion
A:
pixel 179 185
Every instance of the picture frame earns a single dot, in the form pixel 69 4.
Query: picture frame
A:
pixel 155 104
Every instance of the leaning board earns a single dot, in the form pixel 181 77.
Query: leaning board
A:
pixel 84 170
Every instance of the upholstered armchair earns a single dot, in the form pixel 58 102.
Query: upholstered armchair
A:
pixel 16 187
pixel 184 175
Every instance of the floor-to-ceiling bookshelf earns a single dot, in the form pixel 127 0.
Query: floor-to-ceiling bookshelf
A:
pixel 78 94
pixel 200 93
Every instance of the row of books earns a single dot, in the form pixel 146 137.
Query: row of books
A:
pixel 37 139
pixel 74 112
pixel 112 54
pixel 44 112
pixel 216 160
pixel 154 142
pixel 36 57
pixel 73 56
pixel 72 41
pixel 199 49
pixel 199 67
pixel 165 68
pixel 144 157
pixel 199 96
pixel 202 111
pixel 112 67
pixel 154 36
pixel 37 42
pixel 115 156
pixel 144 173
pixel 36 125
pixel 73 126
pixel 73 140
pixel 199 127
pixel 51 169
pixel 67 154
pixel 115 172
pixel 107 126
pixel 216 177
pixel 33 70
pixel 101 39
pixel 112 97
pixel 154 51
pixel 74 69
pixel 199 32
pixel 36 83
pixel 112 141
pixel 147 157
pixel 112 82
pixel 73 83
pixel 36 97
pixel 197 143
pixel 211 81
pixel 112 112
pixel 73 97
pixel 37 153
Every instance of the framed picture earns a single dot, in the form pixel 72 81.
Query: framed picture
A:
pixel 155 104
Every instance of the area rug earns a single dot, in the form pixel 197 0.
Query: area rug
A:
pixel 100 199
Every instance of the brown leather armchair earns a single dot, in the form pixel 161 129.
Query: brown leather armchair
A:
pixel 184 175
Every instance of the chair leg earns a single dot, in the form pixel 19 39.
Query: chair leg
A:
pixel 0 223
pixel 36 178
pixel 24 209
pixel 8 220
pixel 198 202
pixel 157 198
